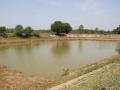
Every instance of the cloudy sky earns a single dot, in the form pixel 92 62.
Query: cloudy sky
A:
pixel 104 14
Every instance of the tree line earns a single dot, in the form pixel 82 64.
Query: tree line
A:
pixel 58 28
pixel 82 30
pixel 18 31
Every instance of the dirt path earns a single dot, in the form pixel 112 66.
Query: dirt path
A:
pixel 81 79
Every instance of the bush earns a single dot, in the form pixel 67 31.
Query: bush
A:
pixel 36 34
pixel 117 30
pixel 3 32
pixel 25 33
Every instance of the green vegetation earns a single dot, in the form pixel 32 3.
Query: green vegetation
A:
pixel 25 33
pixel 82 30
pixel 3 31
pixel 117 30
pixel 107 79
pixel 84 70
pixel 18 31
pixel 60 28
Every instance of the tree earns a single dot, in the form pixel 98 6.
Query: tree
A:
pixel 3 31
pixel 66 28
pixel 60 28
pixel 56 27
pixel 19 29
pixel 81 29
pixel 25 32
pixel 96 29
pixel 117 30
pixel 28 32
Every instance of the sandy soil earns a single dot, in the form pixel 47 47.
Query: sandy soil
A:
pixel 14 40
pixel 11 80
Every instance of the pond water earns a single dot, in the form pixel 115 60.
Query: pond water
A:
pixel 48 59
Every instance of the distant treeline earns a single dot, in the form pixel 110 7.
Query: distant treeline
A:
pixel 18 31
pixel 58 28
pixel 82 30
pixel 89 31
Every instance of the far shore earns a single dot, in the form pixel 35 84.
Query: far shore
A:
pixel 15 40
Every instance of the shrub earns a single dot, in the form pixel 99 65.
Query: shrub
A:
pixel 3 32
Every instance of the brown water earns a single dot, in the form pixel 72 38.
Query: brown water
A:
pixel 49 59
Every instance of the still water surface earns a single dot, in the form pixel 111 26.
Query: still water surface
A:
pixel 48 59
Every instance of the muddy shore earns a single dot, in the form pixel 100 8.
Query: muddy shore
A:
pixel 14 40
pixel 12 80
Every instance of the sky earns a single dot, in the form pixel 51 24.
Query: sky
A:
pixel 40 14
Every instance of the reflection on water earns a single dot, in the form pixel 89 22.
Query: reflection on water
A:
pixel 60 48
pixel 80 45
pixel 50 58
pixel 118 48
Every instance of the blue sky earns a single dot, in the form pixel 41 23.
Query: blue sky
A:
pixel 39 14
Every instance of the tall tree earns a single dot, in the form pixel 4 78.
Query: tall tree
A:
pixel 60 28
pixel 28 32
pixel 117 30
pixel 96 29
pixel 3 31
pixel 19 28
pixel 81 29
pixel 67 28
pixel 56 27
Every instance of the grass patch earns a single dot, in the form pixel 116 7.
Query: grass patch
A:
pixel 86 69
pixel 107 80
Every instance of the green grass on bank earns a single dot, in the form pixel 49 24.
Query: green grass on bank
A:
pixel 89 68
pixel 107 79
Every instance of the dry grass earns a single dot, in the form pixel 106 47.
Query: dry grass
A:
pixel 84 70
pixel 11 80
pixel 107 79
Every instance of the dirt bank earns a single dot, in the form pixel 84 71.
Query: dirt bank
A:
pixel 108 78
pixel 11 80
pixel 15 40
pixel 111 68
pixel 86 69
